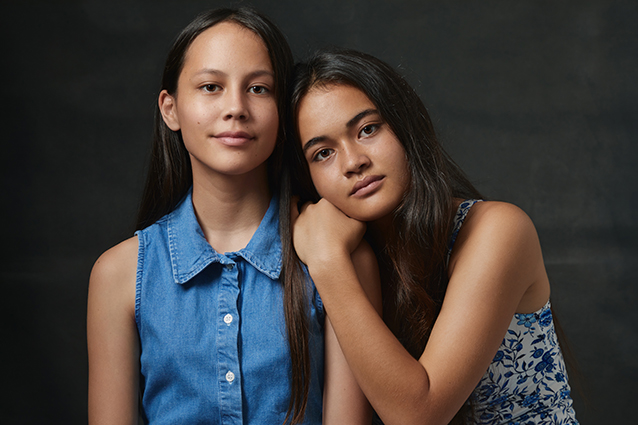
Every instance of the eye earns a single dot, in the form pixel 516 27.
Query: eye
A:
pixel 368 130
pixel 258 90
pixel 322 155
pixel 211 88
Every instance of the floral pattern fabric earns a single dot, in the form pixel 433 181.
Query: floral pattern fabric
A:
pixel 526 383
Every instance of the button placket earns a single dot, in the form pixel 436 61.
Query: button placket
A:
pixel 229 369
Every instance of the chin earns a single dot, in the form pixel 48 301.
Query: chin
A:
pixel 367 215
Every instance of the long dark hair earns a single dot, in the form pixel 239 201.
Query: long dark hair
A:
pixel 170 177
pixel 415 257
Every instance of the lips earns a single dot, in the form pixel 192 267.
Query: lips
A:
pixel 234 138
pixel 366 186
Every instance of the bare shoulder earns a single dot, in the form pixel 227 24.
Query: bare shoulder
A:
pixel 495 213
pixel 118 261
pixel 112 338
pixel 113 274
pixel 498 240
pixel 498 221
pixel 497 229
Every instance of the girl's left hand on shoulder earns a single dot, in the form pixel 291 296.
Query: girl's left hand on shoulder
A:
pixel 321 232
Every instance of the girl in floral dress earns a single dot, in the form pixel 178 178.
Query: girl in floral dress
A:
pixel 467 334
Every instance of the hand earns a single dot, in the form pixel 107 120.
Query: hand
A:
pixel 322 233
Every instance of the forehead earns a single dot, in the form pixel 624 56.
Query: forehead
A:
pixel 330 107
pixel 227 44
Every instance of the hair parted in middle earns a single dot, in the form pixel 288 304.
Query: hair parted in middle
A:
pixel 170 177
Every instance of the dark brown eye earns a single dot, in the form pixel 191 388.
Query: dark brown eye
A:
pixel 258 90
pixel 322 154
pixel 368 130
pixel 211 87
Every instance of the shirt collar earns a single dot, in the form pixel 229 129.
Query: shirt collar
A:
pixel 191 253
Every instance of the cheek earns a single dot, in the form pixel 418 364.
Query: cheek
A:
pixel 397 158
pixel 403 169
pixel 317 181
pixel 269 118
pixel 192 117
pixel 323 184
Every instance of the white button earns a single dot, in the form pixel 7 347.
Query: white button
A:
pixel 229 267
pixel 228 319
pixel 230 376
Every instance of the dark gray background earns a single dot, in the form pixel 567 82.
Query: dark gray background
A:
pixel 535 99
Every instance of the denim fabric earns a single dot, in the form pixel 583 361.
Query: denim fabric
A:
pixel 214 346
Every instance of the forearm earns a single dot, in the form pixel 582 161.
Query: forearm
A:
pixel 394 382
pixel 343 401
pixel 496 260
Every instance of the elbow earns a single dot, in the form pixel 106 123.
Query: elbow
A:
pixel 419 416
pixel 417 406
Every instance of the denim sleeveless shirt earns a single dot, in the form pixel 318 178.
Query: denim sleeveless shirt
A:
pixel 214 346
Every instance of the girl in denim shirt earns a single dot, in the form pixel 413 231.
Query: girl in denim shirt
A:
pixel 204 316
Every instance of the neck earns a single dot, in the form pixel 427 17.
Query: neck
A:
pixel 229 209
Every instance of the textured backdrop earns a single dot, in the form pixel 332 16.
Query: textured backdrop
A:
pixel 536 100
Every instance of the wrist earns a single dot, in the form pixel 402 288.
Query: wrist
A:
pixel 328 266
pixel 328 258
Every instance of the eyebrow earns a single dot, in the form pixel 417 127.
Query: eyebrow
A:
pixel 351 123
pixel 257 73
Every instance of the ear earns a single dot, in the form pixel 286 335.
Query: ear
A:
pixel 168 109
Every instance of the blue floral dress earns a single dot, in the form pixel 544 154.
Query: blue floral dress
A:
pixel 526 383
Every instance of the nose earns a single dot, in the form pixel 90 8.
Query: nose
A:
pixel 235 106
pixel 355 159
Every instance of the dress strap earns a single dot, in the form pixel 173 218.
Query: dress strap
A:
pixel 461 213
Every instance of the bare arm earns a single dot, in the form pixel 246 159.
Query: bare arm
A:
pixel 112 337
pixel 496 265
pixel 344 402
